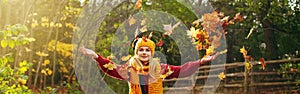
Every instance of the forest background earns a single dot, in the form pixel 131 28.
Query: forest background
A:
pixel 36 37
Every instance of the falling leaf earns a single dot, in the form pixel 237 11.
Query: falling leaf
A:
pixel 160 43
pixel 143 29
pixel 170 29
pixel 138 4
pixel 143 21
pixel 126 58
pixel 131 20
pixel 109 66
pixel 251 30
pixel 238 17
pixel 263 64
pixel 150 35
pixel 136 33
pixel 223 52
pixel 243 51
pixel 222 76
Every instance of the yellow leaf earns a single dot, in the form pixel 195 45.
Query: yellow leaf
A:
pixel 131 20
pixel 43 72
pixel 23 63
pixel 248 65
pixel 109 66
pixel 41 54
pixel 49 72
pixel 27 49
pixel 4 43
pixel 222 76
pixel 125 58
pixel 210 50
pixel 47 61
pixel 223 52
pixel 22 81
pixel 243 51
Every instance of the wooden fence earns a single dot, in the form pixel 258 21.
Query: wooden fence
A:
pixel 238 80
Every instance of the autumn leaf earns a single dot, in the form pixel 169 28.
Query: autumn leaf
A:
pixel 222 76
pixel 210 50
pixel 170 29
pixel 22 81
pixel 23 63
pixel 138 4
pixel 243 51
pixel 238 17
pixel 4 43
pixel 150 35
pixel 199 46
pixel 262 62
pixel 110 57
pixel 251 31
pixel 248 65
pixel 143 29
pixel 125 58
pixel 192 32
pixel 41 54
pixel 143 22
pixel 160 43
pixel 131 20
pixel 223 52
pixel 109 66
pixel 43 72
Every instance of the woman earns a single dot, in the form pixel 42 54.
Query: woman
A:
pixel 144 73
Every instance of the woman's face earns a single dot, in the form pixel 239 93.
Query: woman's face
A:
pixel 144 53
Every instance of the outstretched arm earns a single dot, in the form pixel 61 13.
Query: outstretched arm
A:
pixel 106 65
pixel 188 68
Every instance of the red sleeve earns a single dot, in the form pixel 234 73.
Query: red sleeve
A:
pixel 112 73
pixel 184 70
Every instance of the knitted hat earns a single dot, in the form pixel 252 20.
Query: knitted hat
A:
pixel 144 42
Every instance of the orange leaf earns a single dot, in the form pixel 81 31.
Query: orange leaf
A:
pixel 238 17
pixel 138 4
pixel 263 64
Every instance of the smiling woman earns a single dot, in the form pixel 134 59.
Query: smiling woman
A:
pixel 143 72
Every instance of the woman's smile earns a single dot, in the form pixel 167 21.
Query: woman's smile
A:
pixel 144 53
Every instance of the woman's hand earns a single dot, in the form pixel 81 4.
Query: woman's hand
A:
pixel 209 58
pixel 88 52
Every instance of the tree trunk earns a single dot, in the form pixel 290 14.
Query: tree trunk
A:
pixel 269 34
pixel 271 44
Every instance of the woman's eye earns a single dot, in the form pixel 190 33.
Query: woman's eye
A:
pixel 147 50
pixel 141 49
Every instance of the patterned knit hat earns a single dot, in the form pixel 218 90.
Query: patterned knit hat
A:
pixel 144 42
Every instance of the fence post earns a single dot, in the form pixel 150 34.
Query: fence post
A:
pixel 246 74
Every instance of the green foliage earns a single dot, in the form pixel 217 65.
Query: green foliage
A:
pixel 13 79
pixel 14 35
